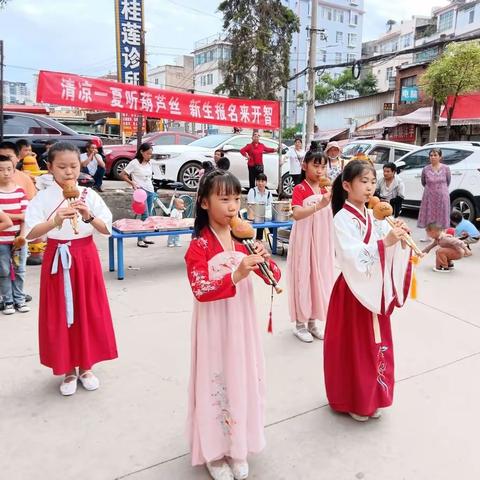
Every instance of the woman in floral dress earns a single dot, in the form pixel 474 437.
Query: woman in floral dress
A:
pixel 435 206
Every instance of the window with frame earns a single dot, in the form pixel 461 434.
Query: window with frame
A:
pixel 417 160
pixel 338 57
pixel 323 56
pixel 471 15
pixel 406 40
pixel 339 37
pixel 185 139
pixel 382 155
pixel 338 15
pixel 352 39
pixel 389 73
pixel 445 21
pixel 210 79
pixel 327 13
pixel 353 18
pixel 165 140
pixel 351 57
pixel 17 125
pixel 398 153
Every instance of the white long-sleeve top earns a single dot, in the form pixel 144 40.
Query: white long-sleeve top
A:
pixel 45 204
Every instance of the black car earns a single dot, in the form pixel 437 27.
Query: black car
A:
pixel 37 129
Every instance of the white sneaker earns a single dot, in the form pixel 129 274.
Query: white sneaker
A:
pixel 303 334
pixel 376 414
pixel 89 381
pixel 239 469
pixel 358 418
pixel 219 470
pixel 69 388
pixel 318 331
pixel 9 309
pixel 22 308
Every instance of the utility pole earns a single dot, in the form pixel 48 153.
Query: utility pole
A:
pixel 141 81
pixel 312 58
pixel 1 90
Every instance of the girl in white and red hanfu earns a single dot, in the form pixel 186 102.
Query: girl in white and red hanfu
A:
pixel 375 278
pixel 75 324
pixel 227 383
pixel 310 258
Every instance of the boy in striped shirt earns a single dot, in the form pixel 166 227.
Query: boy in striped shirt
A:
pixel 13 202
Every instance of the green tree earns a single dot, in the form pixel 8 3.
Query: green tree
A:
pixel 260 32
pixel 455 72
pixel 330 89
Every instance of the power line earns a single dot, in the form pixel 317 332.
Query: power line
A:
pixel 196 10
pixel 366 61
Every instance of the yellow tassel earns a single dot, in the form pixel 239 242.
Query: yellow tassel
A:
pixel 413 287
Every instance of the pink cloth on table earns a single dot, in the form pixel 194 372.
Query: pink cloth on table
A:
pixel 310 260
pixel 152 223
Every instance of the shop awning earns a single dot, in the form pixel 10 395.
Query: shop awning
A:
pixel 467 109
pixel 377 127
pixel 327 135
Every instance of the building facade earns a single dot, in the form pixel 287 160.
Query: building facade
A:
pixel 209 55
pixel 177 77
pixel 458 19
pixel 399 36
pixel 342 21
pixel 16 92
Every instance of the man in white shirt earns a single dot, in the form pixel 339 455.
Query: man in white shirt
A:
pixel 93 164
pixel 260 194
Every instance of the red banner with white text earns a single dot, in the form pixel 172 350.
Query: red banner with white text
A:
pixel 96 94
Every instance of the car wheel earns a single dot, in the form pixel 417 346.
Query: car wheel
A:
pixel 287 184
pixel 465 206
pixel 118 167
pixel 189 176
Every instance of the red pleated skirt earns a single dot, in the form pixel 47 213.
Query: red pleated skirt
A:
pixel 359 373
pixel 91 338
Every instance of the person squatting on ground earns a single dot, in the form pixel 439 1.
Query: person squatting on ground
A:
pixel 464 229
pixel 391 189
pixel 310 252
pixel 227 381
pixel 75 324
pixel 260 194
pixel 375 277
pixel 450 248
pixel 13 256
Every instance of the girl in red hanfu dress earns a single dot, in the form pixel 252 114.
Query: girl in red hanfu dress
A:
pixel 75 324
pixel 227 390
pixel 375 266
pixel 310 258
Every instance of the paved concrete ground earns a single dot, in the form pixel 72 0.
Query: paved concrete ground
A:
pixel 133 426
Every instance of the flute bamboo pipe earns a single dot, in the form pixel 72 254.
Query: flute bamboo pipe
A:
pixel 383 211
pixel 243 231
pixel 71 193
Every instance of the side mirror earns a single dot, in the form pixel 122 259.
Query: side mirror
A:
pixel 284 150
pixel 228 148
pixel 400 166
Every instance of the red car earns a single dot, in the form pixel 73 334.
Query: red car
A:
pixel 117 156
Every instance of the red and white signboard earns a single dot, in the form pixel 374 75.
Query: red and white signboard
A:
pixel 92 93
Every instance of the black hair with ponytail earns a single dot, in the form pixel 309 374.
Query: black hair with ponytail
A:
pixel 353 169
pixel 220 182
pixel 315 156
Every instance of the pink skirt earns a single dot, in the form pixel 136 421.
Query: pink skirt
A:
pixel 90 339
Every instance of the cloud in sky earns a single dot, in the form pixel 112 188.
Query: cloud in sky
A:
pixel 79 35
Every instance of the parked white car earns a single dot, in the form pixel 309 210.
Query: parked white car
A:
pixel 463 158
pixel 380 151
pixel 182 163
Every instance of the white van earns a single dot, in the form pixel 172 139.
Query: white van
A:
pixel 379 151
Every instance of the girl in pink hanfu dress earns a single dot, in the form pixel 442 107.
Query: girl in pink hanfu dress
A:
pixel 375 278
pixel 310 253
pixel 227 391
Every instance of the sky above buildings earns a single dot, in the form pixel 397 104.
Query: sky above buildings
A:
pixel 78 36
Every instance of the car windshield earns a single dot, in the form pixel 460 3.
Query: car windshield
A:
pixel 355 149
pixel 210 141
